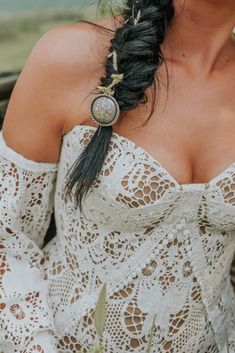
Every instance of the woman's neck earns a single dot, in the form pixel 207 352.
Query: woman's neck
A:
pixel 201 32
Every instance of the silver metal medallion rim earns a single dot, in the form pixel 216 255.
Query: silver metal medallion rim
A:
pixel 117 110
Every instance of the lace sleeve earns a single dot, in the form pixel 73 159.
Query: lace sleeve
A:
pixel 26 205
pixel 233 273
pixel 231 334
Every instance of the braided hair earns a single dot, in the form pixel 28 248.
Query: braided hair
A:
pixel 137 45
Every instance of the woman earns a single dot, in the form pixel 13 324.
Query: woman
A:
pixel 146 207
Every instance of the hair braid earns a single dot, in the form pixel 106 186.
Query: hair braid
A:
pixel 138 47
pixel 138 50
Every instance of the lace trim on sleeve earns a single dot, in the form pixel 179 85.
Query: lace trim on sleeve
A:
pixel 23 162
pixel 232 273
pixel 26 203
pixel 24 309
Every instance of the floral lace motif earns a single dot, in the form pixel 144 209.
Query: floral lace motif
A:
pixel 159 248
pixel 26 204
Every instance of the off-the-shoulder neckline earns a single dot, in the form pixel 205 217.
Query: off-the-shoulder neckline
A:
pixel 197 186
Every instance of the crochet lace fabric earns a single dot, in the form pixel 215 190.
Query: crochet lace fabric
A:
pixel 162 248
pixel 26 203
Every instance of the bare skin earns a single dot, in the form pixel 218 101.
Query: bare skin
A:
pixel 193 137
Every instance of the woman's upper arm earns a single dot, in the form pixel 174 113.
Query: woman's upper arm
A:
pixel 40 101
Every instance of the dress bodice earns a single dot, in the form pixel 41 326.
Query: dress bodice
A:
pixel 159 246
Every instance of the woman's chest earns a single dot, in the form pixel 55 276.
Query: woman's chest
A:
pixel 135 190
pixel 191 131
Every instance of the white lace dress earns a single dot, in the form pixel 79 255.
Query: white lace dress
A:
pixel 160 247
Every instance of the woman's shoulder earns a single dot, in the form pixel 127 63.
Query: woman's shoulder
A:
pixel 77 43
pixel 74 55
pixel 51 92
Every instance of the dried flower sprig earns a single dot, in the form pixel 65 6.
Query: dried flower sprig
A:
pixel 137 18
pixel 114 55
pixel 151 335
pixel 100 317
pixel 108 90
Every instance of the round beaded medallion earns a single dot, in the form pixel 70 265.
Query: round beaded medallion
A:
pixel 105 110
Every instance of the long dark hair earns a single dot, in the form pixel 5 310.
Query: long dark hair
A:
pixel 139 56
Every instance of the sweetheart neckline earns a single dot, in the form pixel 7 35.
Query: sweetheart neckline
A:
pixel 198 186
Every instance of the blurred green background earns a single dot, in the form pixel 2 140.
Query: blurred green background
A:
pixel 23 22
